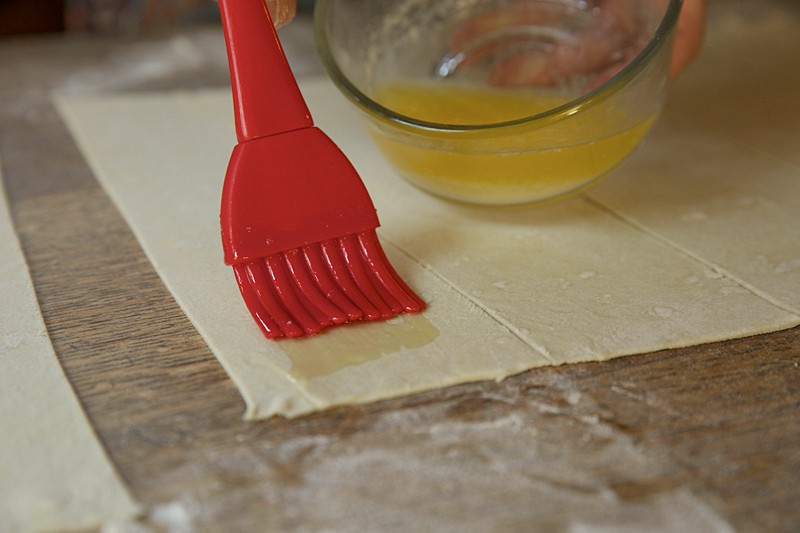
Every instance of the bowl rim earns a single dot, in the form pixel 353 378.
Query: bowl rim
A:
pixel 609 87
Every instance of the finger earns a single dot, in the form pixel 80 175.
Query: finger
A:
pixel 689 34
pixel 613 69
pixel 608 40
pixel 281 11
pixel 544 14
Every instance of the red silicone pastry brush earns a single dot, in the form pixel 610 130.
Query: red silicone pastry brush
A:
pixel 298 226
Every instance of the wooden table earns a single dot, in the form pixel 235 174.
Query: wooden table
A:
pixel 712 430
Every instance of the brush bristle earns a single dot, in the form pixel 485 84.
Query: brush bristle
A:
pixel 307 289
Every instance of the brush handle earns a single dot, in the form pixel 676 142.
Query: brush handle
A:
pixel 266 99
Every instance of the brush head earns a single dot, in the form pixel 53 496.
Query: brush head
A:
pixel 307 289
pixel 298 227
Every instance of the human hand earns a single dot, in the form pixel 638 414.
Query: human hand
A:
pixel 594 53
pixel 689 34
pixel 599 54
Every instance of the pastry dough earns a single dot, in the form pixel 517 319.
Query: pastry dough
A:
pixel 720 177
pixel 54 474
pixel 509 289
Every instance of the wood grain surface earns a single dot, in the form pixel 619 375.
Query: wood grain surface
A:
pixel 704 438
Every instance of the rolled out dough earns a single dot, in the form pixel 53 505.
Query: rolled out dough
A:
pixel 508 289
pixel 720 177
pixel 54 475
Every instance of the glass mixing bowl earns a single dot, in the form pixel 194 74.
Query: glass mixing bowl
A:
pixel 501 101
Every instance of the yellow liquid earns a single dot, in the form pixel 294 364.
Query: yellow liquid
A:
pixel 320 356
pixel 524 164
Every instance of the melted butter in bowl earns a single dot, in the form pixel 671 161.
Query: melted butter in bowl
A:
pixel 501 101
pixel 527 164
